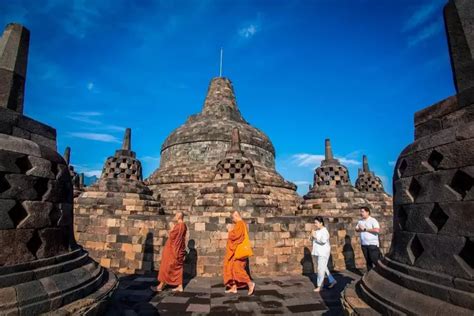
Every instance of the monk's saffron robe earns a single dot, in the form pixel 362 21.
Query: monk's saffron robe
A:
pixel 172 258
pixel 234 270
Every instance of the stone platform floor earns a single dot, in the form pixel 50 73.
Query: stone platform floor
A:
pixel 281 295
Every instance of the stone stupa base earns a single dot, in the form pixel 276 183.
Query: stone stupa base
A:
pixel 69 284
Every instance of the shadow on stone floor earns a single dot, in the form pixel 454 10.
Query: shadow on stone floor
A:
pixel 276 295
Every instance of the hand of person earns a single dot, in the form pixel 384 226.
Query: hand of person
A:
pixel 230 227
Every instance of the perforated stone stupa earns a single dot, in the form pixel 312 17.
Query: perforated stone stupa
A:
pixel 118 215
pixel 235 188
pixel 332 193
pixel 190 154
pixel 333 196
pixel 41 267
pixel 430 267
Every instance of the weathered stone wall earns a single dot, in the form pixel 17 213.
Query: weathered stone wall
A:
pixel 210 152
pixel 124 243
pixel 133 243
pixel 281 244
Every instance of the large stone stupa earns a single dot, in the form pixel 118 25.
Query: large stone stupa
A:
pixel 430 267
pixel 191 152
pixel 42 269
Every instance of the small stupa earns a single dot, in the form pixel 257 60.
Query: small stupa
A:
pixel 115 215
pixel 235 188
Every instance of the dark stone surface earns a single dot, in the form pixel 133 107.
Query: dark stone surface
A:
pixel 14 45
pixel 277 295
pixel 433 197
pixel 459 15
pixel 36 196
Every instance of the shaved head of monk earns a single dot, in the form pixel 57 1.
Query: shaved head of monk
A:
pixel 236 216
pixel 179 216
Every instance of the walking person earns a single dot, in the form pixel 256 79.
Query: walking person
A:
pixel 238 250
pixel 321 252
pixel 172 258
pixel 369 230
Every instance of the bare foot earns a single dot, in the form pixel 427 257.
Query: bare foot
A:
pixel 156 288
pixel 332 284
pixel 233 290
pixel 317 290
pixel 251 288
pixel 178 289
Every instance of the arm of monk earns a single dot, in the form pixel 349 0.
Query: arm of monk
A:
pixel 237 235
pixel 176 239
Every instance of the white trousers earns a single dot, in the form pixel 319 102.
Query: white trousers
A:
pixel 322 263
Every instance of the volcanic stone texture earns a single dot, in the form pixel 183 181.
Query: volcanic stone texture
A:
pixel 14 45
pixel 41 267
pixel 430 267
pixel 190 153
pixel 118 215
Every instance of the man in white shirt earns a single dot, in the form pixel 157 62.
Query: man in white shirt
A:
pixel 369 230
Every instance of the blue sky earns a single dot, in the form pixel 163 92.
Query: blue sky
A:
pixel 355 71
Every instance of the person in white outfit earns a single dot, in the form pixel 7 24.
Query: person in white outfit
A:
pixel 369 230
pixel 321 252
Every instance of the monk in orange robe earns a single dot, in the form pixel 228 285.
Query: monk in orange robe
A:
pixel 172 258
pixel 235 275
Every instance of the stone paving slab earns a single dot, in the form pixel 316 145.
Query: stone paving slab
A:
pixel 205 296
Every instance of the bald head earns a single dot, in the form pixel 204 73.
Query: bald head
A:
pixel 179 216
pixel 236 216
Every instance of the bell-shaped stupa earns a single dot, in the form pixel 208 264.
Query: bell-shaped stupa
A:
pixel 115 215
pixel 235 188
pixel 191 152
pixel 42 269
pixel 430 267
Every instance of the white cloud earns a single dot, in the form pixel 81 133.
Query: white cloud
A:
pixel 93 123
pixel 420 16
pixel 424 23
pixel 426 33
pixel 248 31
pixel 85 117
pixel 106 138
pixel 90 86
pixel 91 173
pixel 88 113
pixel 310 160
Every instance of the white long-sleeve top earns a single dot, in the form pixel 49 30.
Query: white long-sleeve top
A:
pixel 321 246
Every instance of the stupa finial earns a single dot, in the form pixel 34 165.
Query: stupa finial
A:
pixel 127 140
pixel 458 17
pixel 14 45
pixel 67 154
pixel 365 164
pixel 328 150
